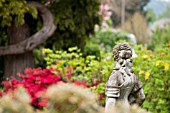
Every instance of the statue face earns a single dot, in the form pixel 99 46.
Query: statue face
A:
pixel 129 63
pixel 125 54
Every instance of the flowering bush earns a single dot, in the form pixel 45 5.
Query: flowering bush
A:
pixel 36 81
pixel 152 67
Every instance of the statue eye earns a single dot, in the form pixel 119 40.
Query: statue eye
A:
pixel 121 63
pixel 131 60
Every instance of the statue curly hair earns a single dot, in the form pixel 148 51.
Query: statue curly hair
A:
pixel 127 51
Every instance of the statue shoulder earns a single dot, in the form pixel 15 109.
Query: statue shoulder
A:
pixel 113 79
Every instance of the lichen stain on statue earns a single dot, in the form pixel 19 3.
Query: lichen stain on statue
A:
pixel 123 85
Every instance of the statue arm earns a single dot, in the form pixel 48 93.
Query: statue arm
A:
pixel 141 97
pixel 110 103
pixel 137 96
pixel 112 91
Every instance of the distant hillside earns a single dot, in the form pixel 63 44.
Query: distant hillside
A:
pixel 158 6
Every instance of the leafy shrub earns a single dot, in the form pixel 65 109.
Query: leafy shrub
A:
pixel 18 9
pixel 91 69
pixel 107 38
pixel 75 20
pixel 92 49
pixel 103 40
pixel 150 15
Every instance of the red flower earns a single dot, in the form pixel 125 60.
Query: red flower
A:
pixel 80 83
pixel 43 102
pixel 36 81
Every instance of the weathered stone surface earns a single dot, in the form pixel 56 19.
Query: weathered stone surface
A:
pixel 123 85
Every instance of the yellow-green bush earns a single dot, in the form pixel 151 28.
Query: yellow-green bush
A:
pixel 153 69
pixel 91 69
pixel 87 68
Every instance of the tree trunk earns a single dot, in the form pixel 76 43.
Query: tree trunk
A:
pixel 123 13
pixel 18 54
pixel 18 63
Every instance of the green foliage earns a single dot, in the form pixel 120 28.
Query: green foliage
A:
pixel 88 68
pixel 15 10
pixel 75 20
pixel 107 38
pixel 92 49
pixel 150 15
pixel 153 70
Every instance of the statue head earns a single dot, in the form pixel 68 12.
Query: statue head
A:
pixel 122 51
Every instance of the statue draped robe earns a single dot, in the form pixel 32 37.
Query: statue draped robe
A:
pixel 124 88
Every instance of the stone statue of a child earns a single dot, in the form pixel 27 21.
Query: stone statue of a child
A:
pixel 123 85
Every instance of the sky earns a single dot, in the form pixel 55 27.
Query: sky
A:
pixel 158 6
pixel 164 0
